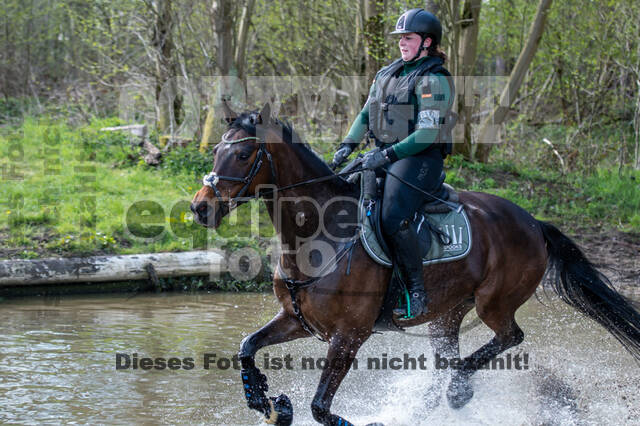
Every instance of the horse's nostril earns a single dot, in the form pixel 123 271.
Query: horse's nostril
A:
pixel 202 209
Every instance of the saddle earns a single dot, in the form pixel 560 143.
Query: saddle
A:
pixel 444 233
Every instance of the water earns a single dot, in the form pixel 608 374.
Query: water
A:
pixel 58 364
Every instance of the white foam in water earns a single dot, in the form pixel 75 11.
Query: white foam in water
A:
pixel 577 374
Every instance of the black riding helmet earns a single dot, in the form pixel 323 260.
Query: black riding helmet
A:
pixel 422 22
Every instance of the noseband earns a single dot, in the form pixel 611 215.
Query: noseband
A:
pixel 212 178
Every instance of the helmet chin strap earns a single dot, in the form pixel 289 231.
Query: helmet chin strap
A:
pixel 420 49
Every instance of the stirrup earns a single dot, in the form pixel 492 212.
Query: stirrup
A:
pixel 412 310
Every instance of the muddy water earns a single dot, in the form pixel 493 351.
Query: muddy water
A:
pixel 58 364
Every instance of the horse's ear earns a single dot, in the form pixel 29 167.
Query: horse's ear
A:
pixel 229 114
pixel 265 114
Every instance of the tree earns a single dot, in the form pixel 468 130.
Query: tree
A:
pixel 460 29
pixel 168 101
pixel 467 53
pixel 451 17
pixel 488 128
pixel 374 36
pixel 221 17
pixel 243 33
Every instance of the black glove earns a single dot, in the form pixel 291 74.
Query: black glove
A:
pixel 341 154
pixel 376 158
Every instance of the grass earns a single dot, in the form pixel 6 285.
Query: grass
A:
pixel 602 198
pixel 71 191
pixel 74 191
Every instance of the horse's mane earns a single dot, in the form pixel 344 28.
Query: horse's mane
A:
pixel 247 122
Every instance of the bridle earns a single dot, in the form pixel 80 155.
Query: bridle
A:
pixel 213 178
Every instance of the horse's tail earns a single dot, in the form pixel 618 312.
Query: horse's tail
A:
pixel 582 286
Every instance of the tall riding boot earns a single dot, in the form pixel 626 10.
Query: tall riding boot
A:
pixel 407 252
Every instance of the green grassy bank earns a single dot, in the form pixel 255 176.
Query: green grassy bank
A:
pixel 74 191
pixel 79 191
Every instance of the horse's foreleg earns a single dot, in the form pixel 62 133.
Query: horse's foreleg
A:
pixel 342 351
pixel 282 328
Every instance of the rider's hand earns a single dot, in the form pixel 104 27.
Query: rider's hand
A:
pixel 341 155
pixel 375 158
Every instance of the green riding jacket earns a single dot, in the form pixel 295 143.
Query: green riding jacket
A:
pixel 431 93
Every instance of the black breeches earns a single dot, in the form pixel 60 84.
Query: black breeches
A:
pixel 400 201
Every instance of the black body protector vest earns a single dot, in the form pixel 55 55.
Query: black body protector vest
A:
pixel 393 108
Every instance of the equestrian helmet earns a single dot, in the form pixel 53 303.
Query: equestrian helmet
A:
pixel 422 22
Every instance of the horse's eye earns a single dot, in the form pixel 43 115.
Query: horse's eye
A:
pixel 243 156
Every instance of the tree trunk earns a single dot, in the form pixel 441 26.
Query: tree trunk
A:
pixel 167 98
pixel 501 68
pixel 636 126
pixel 374 37
pixel 454 36
pixel 221 18
pixel 433 7
pixel 208 130
pixel 469 25
pixel 359 37
pixel 243 32
pixel 488 131
pixel 636 119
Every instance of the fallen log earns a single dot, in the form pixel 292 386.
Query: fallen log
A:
pixel 139 130
pixel 153 154
pixel 110 268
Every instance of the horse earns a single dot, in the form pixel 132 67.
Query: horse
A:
pixel 262 157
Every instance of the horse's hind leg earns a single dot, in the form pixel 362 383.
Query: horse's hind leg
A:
pixel 508 334
pixel 282 328
pixel 342 351
pixel 443 333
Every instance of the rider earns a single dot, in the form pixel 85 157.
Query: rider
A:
pixel 408 115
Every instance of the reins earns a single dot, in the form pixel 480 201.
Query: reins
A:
pixel 212 178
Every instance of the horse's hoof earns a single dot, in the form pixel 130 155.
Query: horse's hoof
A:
pixel 281 411
pixel 459 393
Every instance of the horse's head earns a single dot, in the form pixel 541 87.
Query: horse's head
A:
pixel 241 164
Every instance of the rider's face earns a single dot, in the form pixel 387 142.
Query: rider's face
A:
pixel 409 44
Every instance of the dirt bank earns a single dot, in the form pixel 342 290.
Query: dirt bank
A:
pixel 616 254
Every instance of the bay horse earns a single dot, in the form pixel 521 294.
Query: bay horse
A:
pixel 511 253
